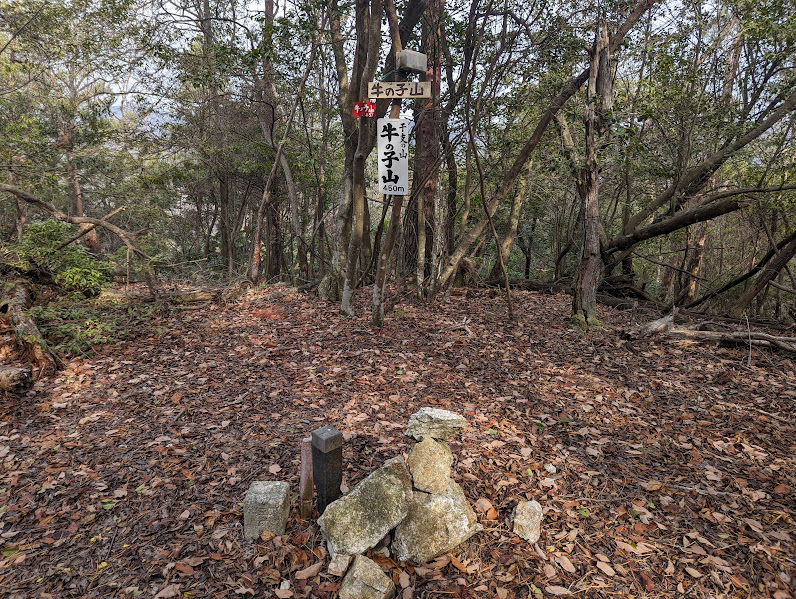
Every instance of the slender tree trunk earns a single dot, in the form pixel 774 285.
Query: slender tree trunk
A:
pixel 598 99
pixel 510 234
pixel 227 228
pixel 366 257
pixel 21 220
pixel 90 239
pixel 368 32
pixel 275 257
pixel 697 249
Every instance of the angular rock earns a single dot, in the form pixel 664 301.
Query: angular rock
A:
pixel 265 507
pixel 430 465
pixel 528 520
pixel 339 564
pixel 435 524
pixel 365 580
pixel 435 423
pixel 356 522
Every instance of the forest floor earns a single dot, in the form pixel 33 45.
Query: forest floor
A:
pixel 665 468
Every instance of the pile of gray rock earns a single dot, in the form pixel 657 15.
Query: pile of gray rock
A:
pixel 412 510
pixel 416 502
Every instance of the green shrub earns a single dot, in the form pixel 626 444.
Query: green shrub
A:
pixel 72 266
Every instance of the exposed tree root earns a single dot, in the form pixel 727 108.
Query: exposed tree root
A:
pixel 14 305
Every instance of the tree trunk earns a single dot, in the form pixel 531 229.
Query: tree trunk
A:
pixel 274 257
pixel 694 263
pixel 510 234
pixel 368 33
pixel 90 239
pixel 266 115
pixel 21 220
pixel 598 100
pixel 766 275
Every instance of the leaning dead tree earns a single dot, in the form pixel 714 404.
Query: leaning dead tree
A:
pixel 128 238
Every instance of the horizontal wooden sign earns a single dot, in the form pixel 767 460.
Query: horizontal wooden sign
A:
pixel 399 89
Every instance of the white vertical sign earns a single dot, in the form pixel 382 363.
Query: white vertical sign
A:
pixel 393 152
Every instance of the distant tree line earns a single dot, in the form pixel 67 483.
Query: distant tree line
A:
pixel 641 148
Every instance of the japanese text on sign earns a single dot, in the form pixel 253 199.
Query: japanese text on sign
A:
pixel 364 109
pixel 399 89
pixel 393 156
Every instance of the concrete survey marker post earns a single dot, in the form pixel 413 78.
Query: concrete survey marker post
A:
pixel 393 156
pixel 327 464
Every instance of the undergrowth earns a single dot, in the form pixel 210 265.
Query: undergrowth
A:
pixel 75 325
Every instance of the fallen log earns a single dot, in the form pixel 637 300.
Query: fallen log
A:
pixel 15 380
pixel 665 326
pixel 14 304
pixel 651 328
pixel 787 344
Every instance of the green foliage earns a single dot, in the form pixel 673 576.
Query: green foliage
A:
pixel 72 266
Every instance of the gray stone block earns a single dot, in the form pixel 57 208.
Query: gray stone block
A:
pixel 435 423
pixel 265 507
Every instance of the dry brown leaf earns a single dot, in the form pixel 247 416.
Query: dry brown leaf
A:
pixel 403 579
pixel 483 505
pixel 168 592
pixel 309 571
pixel 458 565
pixel 565 563
pixel 557 590
pixel 606 569
pixel 693 572
pixel 649 585
pixel 639 549
pixel 283 593
pixel 183 567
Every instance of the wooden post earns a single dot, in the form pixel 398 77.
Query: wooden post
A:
pixel 305 479
pixel 327 464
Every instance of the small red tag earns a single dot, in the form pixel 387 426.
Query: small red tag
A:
pixel 364 109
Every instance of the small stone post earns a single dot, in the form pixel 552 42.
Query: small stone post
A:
pixel 305 479
pixel 327 464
